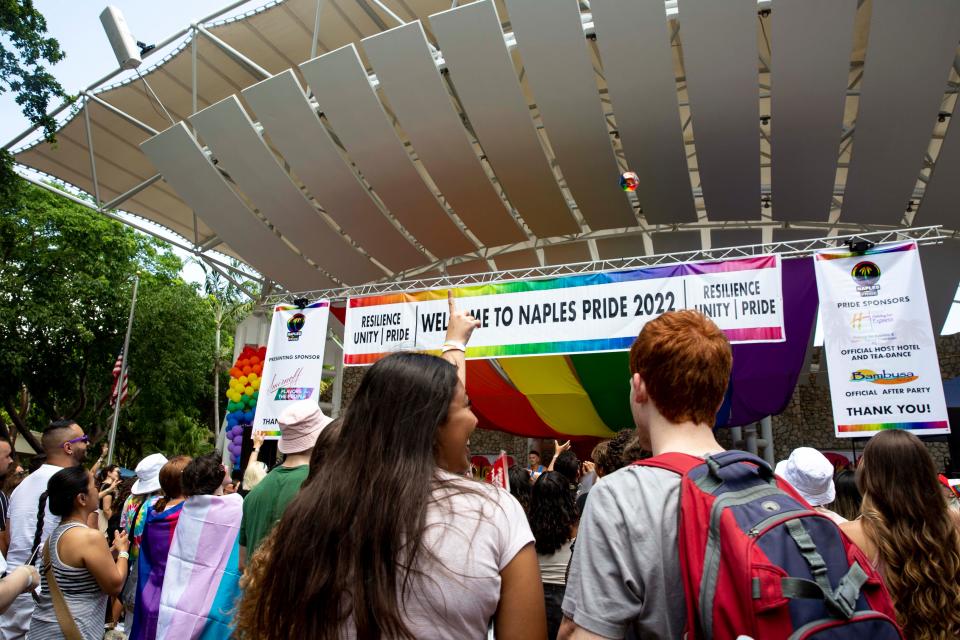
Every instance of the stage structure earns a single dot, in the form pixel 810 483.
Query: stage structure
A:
pixel 343 144
pixel 583 395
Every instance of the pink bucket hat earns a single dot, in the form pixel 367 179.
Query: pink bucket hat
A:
pixel 300 426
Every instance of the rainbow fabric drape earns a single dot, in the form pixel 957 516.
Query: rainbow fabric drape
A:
pixel 586 395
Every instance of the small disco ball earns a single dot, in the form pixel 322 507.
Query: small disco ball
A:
pixel 629 181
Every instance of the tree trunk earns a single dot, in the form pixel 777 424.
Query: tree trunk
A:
pixel 19 424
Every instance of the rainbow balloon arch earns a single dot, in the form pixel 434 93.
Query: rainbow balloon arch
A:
pixel 242 395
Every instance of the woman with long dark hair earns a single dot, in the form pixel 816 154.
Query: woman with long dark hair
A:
pixel 389 539
pixel 847 502
pixel 520 485
pixel 108 482
pixel 82 565
pixel 553 520
pixel 909 533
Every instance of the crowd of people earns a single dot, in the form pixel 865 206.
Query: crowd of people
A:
pixel 371 526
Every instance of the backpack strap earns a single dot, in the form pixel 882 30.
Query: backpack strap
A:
pixel 843 601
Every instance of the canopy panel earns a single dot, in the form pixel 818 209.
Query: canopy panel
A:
pixel 424 138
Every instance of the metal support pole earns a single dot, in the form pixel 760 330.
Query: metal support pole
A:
pixel 736 434
pixel 193 61
pixel 766 434
pixel 123 114
pixel 123 371
pixel 316 31
pixel 93 159
pixel 126 195
pixel 750 438
pixel 228 277
pixel 210 243
pixel 236 55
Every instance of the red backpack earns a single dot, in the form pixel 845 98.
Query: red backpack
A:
pixel 757 561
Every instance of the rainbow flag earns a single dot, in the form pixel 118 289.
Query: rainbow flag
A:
pixel 158 531
pixel 203 570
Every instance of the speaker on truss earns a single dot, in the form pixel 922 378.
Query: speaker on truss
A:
pixel 123 43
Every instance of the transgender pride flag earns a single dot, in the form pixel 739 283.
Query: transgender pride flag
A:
pixel 203 572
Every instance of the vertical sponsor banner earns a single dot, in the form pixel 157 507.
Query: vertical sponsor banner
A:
pixel 881 354
pixel 293 365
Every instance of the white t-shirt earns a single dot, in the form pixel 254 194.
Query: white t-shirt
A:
pixel 474 536
pixel 24 503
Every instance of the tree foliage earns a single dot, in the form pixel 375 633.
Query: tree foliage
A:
pixel 25 52
pixel 66 277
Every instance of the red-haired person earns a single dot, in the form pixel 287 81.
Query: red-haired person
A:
pixel 625 572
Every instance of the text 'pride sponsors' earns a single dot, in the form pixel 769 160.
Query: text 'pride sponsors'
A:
pixel 881 355
pixel 573 314
pixel 294 363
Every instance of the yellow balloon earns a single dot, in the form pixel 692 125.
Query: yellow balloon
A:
pixel 243 381
pixel 256 384
pixel 233 395
pixel 251 377
pixel 234 383
pixel 248 391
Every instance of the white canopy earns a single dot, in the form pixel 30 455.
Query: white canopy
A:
pixel 415 138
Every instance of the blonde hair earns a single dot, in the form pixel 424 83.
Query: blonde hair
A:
pixel 917 538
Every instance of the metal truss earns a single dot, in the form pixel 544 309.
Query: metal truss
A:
pixel 796 249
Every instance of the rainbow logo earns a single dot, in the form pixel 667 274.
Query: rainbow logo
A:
pixel 883 377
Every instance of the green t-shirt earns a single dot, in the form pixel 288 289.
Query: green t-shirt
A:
pixel 265 504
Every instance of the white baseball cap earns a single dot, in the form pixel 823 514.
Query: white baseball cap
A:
pixel 810 473
pixel 148 474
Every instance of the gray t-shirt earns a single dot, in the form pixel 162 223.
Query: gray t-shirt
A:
pixel 625 574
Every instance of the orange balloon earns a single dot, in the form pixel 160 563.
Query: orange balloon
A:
pixel 258 368
pixel 247 369
pixel 235 373
pixel 253 360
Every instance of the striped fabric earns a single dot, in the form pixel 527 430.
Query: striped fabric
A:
pixel 203 572
pixel 84 598
pixel 154 550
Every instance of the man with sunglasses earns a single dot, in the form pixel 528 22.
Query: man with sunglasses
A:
pixel 30 520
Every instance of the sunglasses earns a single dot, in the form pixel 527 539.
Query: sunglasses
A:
pixel 84 438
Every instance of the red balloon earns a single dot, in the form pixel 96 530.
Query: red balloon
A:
pixel 253 360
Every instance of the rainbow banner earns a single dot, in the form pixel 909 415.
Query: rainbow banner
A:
pixel 573 314
pixel 880 346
